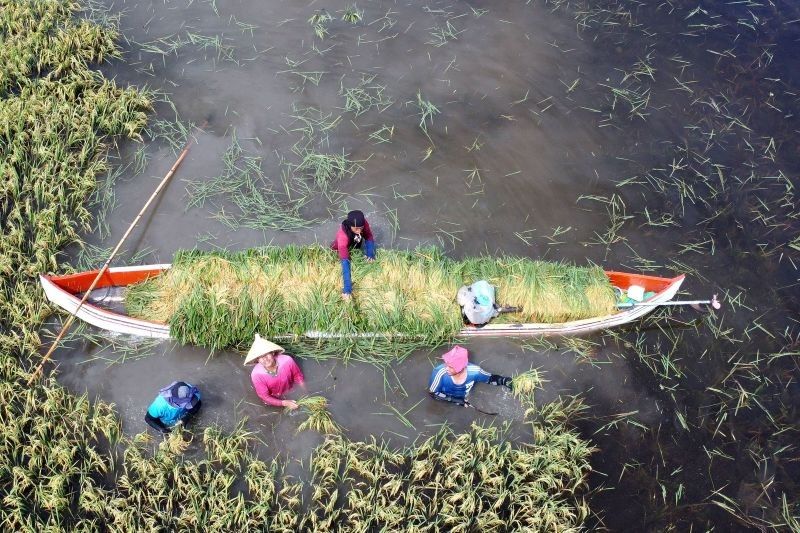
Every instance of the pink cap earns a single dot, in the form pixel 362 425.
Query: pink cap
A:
pixel 456 358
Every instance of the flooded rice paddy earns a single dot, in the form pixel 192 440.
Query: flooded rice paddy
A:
pixel 657 138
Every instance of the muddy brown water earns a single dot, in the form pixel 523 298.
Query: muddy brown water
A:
pixel 502 167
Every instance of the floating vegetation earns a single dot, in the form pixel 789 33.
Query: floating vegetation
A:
pixel 722 188
pixel 319 22
pixel 244 184
pixel 352 14
pixel 441 35
pixel 222 299
pixel 385 133
pixel 173 44
pixel 366 95
pixel 323 169
pixel 426 112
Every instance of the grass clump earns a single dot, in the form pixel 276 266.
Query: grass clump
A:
pixel 221 299
pixel 319 419
pixel 524 385
pixel 367 94
pixel 319 22
pixel 352 14
pixel 426 112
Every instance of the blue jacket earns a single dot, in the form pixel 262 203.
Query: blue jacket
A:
pixel 441 384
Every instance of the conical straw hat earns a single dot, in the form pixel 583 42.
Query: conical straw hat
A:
pixel 260 347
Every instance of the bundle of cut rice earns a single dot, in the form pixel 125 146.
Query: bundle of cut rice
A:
pixel 221 299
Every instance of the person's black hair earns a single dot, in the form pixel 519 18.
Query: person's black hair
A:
pixel 355 219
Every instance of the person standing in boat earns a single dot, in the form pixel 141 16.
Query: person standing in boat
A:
pixel 274 374
pixel 453 380
pixel 354 232
pixel 175 404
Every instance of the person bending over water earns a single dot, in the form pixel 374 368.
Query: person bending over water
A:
pixel 353 233
pixel 274 374
pixel 453 380
pixel 175 404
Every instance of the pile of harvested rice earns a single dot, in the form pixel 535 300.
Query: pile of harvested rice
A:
pixel 221 299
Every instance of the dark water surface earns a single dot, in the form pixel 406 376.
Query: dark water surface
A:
pixel 538 150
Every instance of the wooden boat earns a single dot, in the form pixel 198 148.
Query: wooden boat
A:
pixel 66 293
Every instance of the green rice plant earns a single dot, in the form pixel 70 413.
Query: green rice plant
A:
pixel 319 21
pixel 319 420
pixel 314 126
pixel 352 14
pixel 426 112
pixel 313 403
pixel 323 170
pixel 525 384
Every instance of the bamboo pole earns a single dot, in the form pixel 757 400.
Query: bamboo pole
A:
pixel 103 270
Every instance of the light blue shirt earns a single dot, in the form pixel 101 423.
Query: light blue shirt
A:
pixel 162 410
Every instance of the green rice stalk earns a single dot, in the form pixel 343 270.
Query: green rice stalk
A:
pixel 525 384
pixel 319 419
pixel 312 403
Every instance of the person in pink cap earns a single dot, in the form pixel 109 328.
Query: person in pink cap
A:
pixel 453 380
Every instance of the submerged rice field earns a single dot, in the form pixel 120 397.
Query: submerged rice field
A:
pixel 221 300
pixel 652 137
pixel 66 463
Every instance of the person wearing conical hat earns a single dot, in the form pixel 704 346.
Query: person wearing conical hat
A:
pixel 354 232
pixel 174 404
pixel 274 372
pixel 453 380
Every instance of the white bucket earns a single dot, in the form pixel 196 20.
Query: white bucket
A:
pixel 636 292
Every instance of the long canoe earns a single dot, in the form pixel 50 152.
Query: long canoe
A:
pixel 65 292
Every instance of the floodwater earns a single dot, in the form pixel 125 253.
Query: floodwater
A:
pixel 524 158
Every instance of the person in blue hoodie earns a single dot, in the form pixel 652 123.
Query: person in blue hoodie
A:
pixel 175 403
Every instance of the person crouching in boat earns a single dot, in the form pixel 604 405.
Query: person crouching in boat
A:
pixel 477 303
pixel 353 233
pixel 274 373
pixel 453 380
pixel 175 404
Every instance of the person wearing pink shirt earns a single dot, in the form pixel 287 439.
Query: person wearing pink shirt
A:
pixel 274 373
pixel 354 232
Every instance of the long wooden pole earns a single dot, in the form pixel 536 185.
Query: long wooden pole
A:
pixel 110 258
